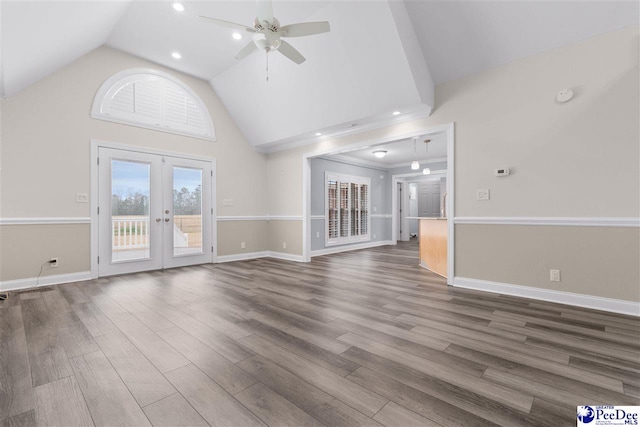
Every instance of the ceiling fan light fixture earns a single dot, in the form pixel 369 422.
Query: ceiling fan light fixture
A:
pixel 178 7
pixel 426 171
pixel 176 55
pixel 380 153
pixel 415 165
pixel 236 36
pixel 396 113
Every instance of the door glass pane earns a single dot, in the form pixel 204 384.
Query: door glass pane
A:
pixel 130 184
pixel 187 211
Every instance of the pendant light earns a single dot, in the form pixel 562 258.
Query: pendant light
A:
pixel 415 165
pixel 426 171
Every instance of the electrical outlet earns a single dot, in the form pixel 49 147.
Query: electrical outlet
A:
pixel 554 275
pixel 243 245
pixel 482 194
pixel 53 262
pixel 82 198
pixel 284 245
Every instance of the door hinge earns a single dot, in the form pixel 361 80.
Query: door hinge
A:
pixel 212 174
pixel 98 210
pixel 211 249
pixel 211 211
pixel 98 260
pixel 98 160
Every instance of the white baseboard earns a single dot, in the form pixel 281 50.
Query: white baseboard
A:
pixel 287 257
pixel 14 285
pixel 346 248
pixel 242 256
pixel 256 255
pixel 569 298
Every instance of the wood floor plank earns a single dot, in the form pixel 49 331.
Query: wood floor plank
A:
pixel 144 381
pixel 164 357
pixel 173 411
pixel 348 392
pixel 16 390
pixel 395 415
pixel 274 409
pixel 218 368
pixel 61 403
pixel 25 419
pixel 108 399
pixel 320 356
pixel 93 319
pixel 214 404
pixel 47 357
pixel 428 406
pixel 516 400
pixel 320 405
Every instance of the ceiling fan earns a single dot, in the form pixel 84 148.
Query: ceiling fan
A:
pixel 267 33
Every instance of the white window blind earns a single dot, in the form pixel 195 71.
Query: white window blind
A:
pixel 155 100
pixel 348 213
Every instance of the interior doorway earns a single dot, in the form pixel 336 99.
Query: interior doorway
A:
pixel 154 211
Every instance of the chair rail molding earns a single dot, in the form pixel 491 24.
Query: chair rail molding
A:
pixel 45 220
pixel 557 221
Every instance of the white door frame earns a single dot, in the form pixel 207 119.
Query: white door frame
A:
pixel 95 145
pixel 447 129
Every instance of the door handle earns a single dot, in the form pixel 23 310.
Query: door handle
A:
pixel 167 211
pixel 167 220
pixel 158 219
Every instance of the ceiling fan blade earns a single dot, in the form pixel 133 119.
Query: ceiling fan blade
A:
pixel 290 52
pixel 246 50
pixel 265 11
pixel 305 29
pixel 228 24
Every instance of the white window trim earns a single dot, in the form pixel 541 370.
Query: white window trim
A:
pixel 349 239
pixel 111 85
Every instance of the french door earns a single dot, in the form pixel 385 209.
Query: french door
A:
pixel 154 211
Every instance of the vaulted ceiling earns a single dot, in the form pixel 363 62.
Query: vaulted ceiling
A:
pixel 380 56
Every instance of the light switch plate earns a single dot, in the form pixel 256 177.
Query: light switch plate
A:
pixel 227 202
pixel 482 194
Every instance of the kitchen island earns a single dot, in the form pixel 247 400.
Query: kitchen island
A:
pixel 433 244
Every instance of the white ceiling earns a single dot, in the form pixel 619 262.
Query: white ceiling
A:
pixel 448 39
pixel 399 153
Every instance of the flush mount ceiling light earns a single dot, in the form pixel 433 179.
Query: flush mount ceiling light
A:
pixel 396 113
pixel 426 171
pixel 318 133
pixel 237 36
pixel 176 55
pixel 179 7
pixel 380 153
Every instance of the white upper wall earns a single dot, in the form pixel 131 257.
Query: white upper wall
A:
pixel 358 70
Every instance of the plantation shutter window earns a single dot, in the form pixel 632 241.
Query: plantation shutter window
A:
pixel 154 100
pixel 347 205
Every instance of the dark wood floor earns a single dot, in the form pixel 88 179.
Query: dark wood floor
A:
pixel 362 338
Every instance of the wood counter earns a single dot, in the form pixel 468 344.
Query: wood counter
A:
pixel 433 245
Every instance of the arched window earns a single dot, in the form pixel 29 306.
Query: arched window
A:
pixel 154 100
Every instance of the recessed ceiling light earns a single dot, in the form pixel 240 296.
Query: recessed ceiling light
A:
pixel 318 134
pixel 178 6
pixel 176 55
pixel 395 113
pixel 380 153
pixel 237 36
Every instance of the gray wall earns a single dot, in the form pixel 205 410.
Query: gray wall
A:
pixel 380 193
